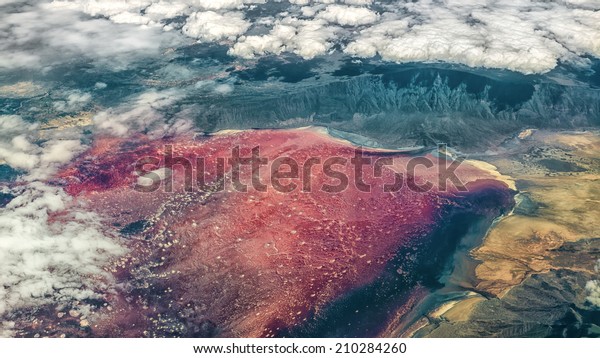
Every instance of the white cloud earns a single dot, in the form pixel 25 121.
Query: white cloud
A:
pixel 306 38
pixel 104 7
pixel 358 2
pixel 166 10
pixel 143 113
pixel 593 289
pixel 348 15
pixel 498 45
pixel 60 151
pixel 41 35
pixel 18 148
pixel 275 42
pixel 75 101
pixel 224 88
pixel 6 327
pixel 52 250
pixel 218 4
pixel 521 35
pixel 213 26
pixel 377 38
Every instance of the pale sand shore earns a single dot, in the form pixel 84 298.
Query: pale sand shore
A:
pixel 461 311
pixel 493 171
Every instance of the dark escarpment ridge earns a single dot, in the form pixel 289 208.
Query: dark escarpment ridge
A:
pixel 397 105
pixel 407 105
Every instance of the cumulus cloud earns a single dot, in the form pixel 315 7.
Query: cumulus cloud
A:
pixel 52 250
pixel 75 101
pixel 19 148
pixel 358 2
pixel 218 4
pixel 37 35
pixel 6 329
pixel 522 35
pixel 348 15
pixel 144 113
pixel 16 148
pixel 161 10
pixel 306 38
pixel 50 261
pixel 212 26
pixel 224 88
pixel 593 289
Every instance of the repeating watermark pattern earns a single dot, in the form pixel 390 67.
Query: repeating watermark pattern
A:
pixel 286 174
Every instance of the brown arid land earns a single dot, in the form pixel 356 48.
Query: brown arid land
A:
pixel 533 266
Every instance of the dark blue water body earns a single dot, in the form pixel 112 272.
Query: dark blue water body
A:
pixel 366 311
pixel 288 70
